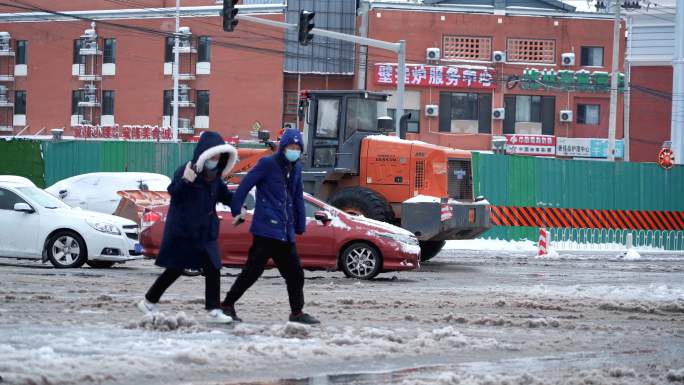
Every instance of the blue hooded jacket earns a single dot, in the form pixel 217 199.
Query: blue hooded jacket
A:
pixel 279 210
pixel 192 225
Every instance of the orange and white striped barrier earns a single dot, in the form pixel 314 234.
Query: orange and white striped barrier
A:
pixel 542 242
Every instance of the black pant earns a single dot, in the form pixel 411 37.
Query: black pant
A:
pixel 212 279
pixel 284 255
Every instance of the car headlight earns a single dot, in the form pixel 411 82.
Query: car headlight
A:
pixel 402 238
pixel 104 227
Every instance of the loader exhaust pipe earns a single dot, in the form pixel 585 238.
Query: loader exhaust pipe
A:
pixel 403 125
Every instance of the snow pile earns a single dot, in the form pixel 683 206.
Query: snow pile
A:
pixel 652 292
pixel 492 245
pixel 631 254
pixel 451 378
pixel 164 323
pixel 676 375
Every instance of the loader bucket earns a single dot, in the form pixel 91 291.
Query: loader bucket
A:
pixel 134 202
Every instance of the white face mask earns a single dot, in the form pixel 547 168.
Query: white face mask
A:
pixel 211 164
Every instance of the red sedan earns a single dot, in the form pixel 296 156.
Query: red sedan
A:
pixel 360 247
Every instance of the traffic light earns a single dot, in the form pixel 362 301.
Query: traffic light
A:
pixel 228 13
pixel 305 26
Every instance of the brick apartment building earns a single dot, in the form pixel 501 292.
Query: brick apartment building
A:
pixel 56 75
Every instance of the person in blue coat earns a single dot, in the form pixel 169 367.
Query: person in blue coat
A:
pixel 192 225
pixel 279 215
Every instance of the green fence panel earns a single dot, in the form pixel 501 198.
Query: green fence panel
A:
pixel 541 182
pixel 68 158
pixel 22 158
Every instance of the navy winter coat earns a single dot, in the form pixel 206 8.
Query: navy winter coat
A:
pixel 279 211
pixel 192 225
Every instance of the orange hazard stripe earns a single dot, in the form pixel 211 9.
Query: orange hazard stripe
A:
pixel 586 218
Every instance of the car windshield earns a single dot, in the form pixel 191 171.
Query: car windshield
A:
pixel 41 197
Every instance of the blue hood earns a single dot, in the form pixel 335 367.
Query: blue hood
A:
pixel 289 137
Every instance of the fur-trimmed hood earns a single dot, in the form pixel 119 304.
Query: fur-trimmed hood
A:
pixel 211 144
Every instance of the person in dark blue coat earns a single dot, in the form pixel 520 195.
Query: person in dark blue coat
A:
pixel 192 225
pixel 278 216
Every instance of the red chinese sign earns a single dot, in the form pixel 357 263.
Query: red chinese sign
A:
pixel 124 132
pixel 437 76
pixel 535 145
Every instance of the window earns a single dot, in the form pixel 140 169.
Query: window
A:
pixel 464 106
pixel 78 58
pixel 168 98
pixel 465 112
pixel 168 50
pixel 326 120
pixel 22 47
pixel 107 102
pixel 291 100
pixel 8 199
pixel 202 103
pixel 76 96
pixel 20 102
pixel 413 124
pixel 592 56
pixel 109 51
pixel 589 114
pixel 362 114
pixel 531 51
pixel 467 47
pixel 528 108
pixel 204 49
pixel 311 209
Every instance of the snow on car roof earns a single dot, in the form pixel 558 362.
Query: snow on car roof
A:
pixel 17 180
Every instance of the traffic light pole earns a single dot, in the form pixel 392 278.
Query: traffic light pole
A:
pixel 398 48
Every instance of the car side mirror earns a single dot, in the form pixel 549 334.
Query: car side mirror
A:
pixel 63 194
pixel 323 216
pixel 23 207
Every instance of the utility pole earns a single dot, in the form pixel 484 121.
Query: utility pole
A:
pixel 612 122
pixel 677 128
pixel 628 92
pixel 361 66
pixel 176 59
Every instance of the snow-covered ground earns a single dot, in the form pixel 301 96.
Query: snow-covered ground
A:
pixel 496 316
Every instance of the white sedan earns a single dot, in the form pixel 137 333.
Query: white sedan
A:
pixel 37 225
pixel 98 191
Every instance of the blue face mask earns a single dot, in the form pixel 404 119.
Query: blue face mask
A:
pixel 292 155
pixel 211 164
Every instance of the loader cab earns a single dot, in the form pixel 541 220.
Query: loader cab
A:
pixel 335 123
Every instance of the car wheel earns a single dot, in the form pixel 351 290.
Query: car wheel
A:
pixel 100 264
pixel 429 249
pixel 361 261
pixel 363 201
pixel 66 249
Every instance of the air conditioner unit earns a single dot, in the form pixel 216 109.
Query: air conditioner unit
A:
pixel 3 99
pixel 499 57
pixel 90 45
pixel 568 59
pixel 566 116
pixel 498 113
pixel 432 53
pixel 89 88
pixel 290 126
pixel 184 123
pixel 90 98
pixel 431 110
pixel 3 90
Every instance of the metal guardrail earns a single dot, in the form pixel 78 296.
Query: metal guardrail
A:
pixel 615 239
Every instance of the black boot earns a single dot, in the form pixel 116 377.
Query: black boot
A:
pixel 229 310
pixel 304 318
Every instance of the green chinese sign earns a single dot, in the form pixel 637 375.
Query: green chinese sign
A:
pixel 564 80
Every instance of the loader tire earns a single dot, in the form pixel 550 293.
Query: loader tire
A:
pixel 363 201
pixel 429 249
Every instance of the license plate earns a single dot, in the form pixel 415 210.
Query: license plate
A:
pixel 138 248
